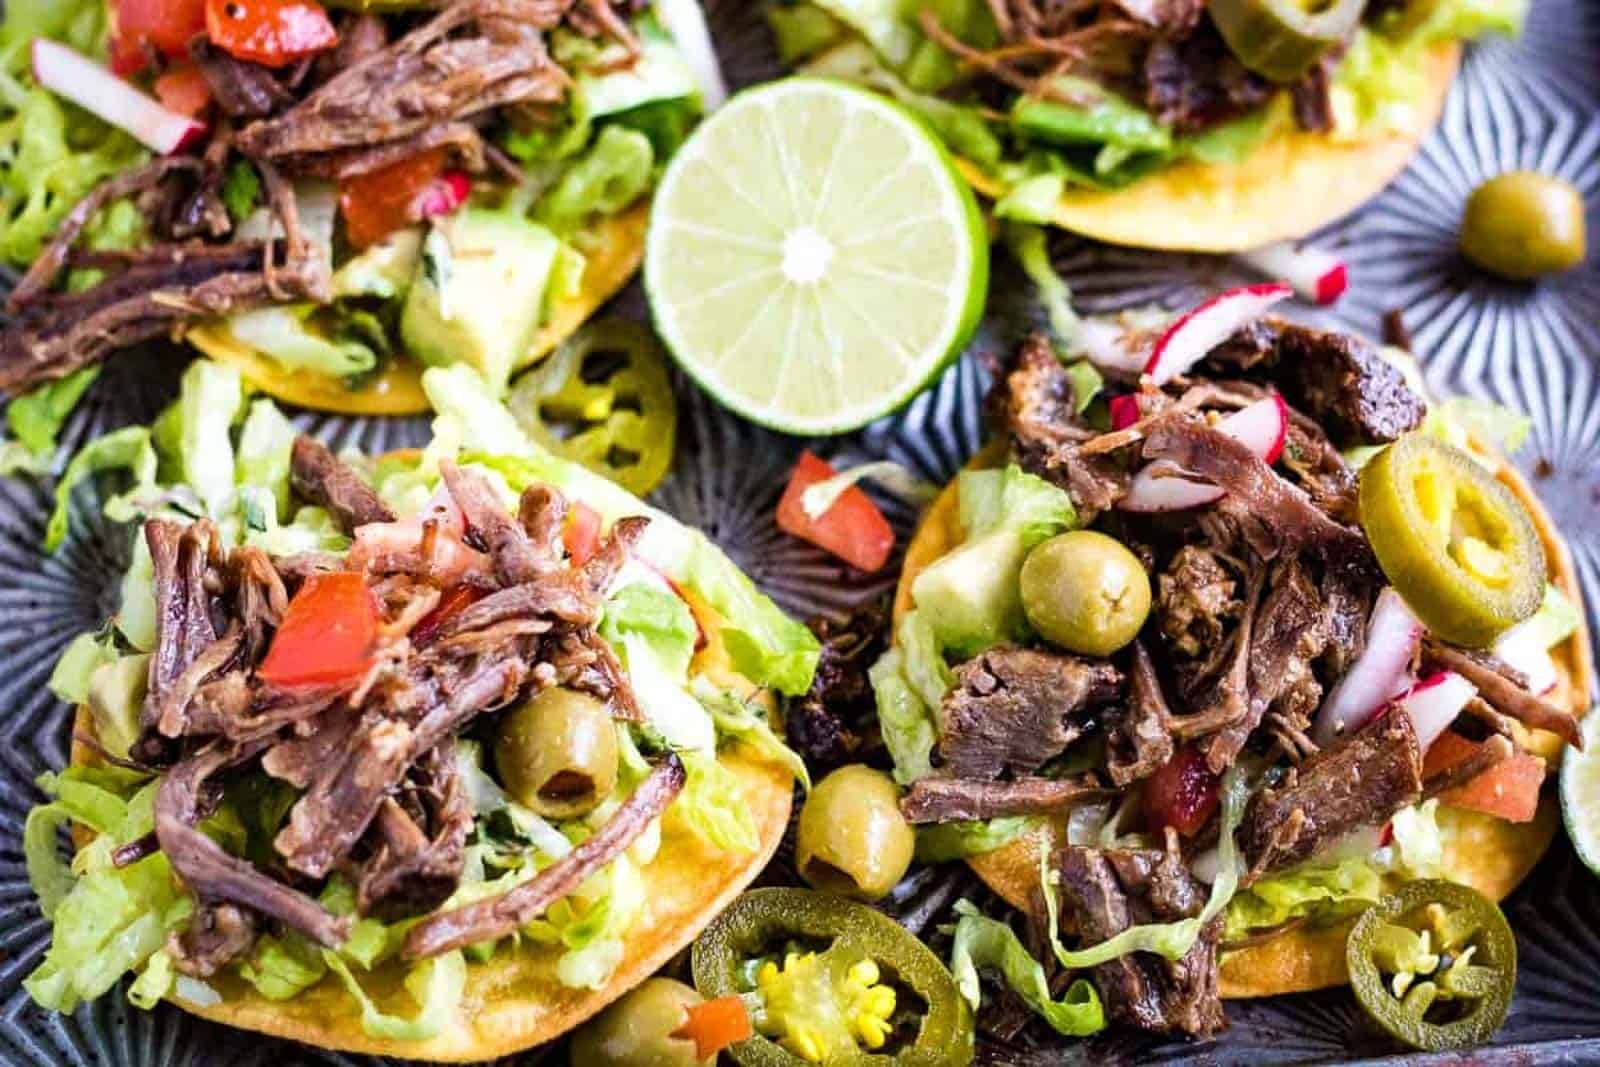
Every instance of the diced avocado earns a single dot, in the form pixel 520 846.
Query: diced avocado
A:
pixel 972 596
pixel 116 693
pixel 478 296
pixel 384 270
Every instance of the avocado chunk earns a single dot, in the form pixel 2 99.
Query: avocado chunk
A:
pixel 479 294
pixel 973 595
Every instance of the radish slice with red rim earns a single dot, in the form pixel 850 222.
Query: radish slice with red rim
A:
pixel 100 92
pixel 1434 703
pixel 1162 486
pixel 1378 675
pixel 1316 274
pixel 1193 336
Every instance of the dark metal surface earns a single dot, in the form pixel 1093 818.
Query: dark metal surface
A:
pixel 1535 103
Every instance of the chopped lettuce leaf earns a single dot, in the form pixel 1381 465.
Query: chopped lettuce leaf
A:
pixel 904 720
pixel 136 615
pixel 594 937
pixel 802 30
pixel 128 448
pixel 1459 20
pixel 922 661
pixel 1235 140
pixel 282 967
pixel 265 445
pixel 157 981
pixel 210 399
pixel 1376 86
pixel 287 335
pixel 36 417
pixel 746 721
pixel 657 616
pixel 1032 251
pixel 240 188
pixel 616 170
pixel 1319 891
pixel 880 22
pixel 659 687
pixel 659 72
pixel 87 653
pixel 1556 620
pixel 1456 420
pixel 1011 498
pixel 712 805
pixel 1032 200
pixel 981 942
pixel 943 842
pixel 435 985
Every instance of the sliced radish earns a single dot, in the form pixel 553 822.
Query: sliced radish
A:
pixel 1378 675
pixel 1124 411
pixel 444 196
pixel 1434 703
pixel 686 22
pixel 1315 274
pixel 1189 339
pixel 1523 647
pixel 1108 346
pixel 1162 486
pixel 100 92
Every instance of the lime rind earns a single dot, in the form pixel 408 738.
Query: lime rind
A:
pixel 1580 794
pixel 863 329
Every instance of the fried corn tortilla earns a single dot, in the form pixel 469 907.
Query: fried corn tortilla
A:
pixel 612 260
pixel 1489 854
pixel 1292 184
pixel 515 1000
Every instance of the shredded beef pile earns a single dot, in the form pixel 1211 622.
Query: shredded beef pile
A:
pixel 1261 602
pixel 438 84
pixel 1167 54
pixel 380 798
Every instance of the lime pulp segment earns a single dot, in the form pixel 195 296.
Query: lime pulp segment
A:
pixel 814 258
pixel 1580 794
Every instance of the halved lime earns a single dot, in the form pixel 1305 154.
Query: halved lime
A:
pixel 814 258
pixel 1580 793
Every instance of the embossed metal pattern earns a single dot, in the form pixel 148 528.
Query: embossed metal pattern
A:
pixel 1534 104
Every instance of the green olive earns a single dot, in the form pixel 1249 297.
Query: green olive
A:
pixel 557 753
pixel 852 839
pixel 1085 592
pixel 637 1030
pixel 1524 225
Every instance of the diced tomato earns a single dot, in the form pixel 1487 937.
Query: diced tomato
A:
pixel 167 26
pixel 852 529
pixel 377 204
pixel 327 635
pixel 450 605
pixel 184 89
pixel 714 1025
pixel 273 33
pixel 581 533
pixel 1509 790
pixel 1182 794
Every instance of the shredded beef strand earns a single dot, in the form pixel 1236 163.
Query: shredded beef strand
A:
pixel 489 920
pixel 936 800
pixel 516 560
pixel 1503 688
pixel 320 477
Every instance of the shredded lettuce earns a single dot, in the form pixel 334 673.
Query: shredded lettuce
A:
pixel 436 985
pixel 1318 891
pixel 282 967
pixel 746 721
pixel 905 721
pixel 1456 420
pixel 210 399
pixel 1456 20
pixel 128 448
pixel 87 653
pixel 265 444
pixel 802 30
pixel 36 418
pixel 712 805
pixel 615 171
pixel 981 942
pixel 287 335
pixel 957 840
pixel 659 617
pixel 1031 249
pixel 922 660
pixel 1034 199
pixel 879 21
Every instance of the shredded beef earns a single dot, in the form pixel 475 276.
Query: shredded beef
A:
pixel 320 477
pixel 1196 600
pixel 1505 689
pixel 496 917
pixel 936 799
pixel 217 935
pixel 241 89
pixel 1110 890
pixel 823 726
pixel 213 875
pixel 471 58
pixel 1338 379
pixel 1320 469
pixel 420 853
pixel 503 537
pixel 1036 403
pixel 1312 96
pixel 1140 738
pixel 1194 83
pixel 1358 782
pixel 1013 709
